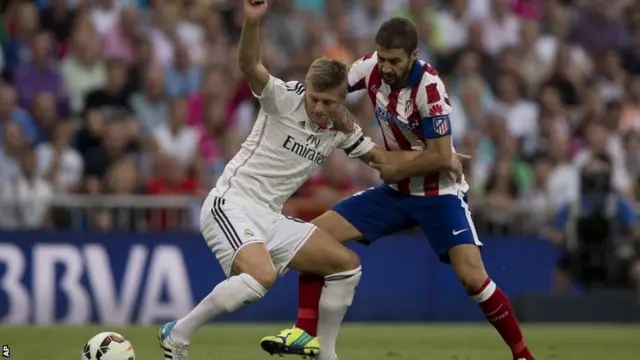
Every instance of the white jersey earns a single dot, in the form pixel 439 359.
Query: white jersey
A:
pixel 283 150
pixel 409 116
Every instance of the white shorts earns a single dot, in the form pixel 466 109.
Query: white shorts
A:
pixel 227 227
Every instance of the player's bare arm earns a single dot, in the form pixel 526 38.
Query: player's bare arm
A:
pixel 412 163
pixel 249 50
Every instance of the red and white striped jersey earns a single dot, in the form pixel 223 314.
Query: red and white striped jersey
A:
pixel 408 117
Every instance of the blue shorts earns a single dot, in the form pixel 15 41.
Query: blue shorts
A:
pixel 381 211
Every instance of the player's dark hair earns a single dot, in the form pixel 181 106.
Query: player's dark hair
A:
pixel 398 33
pixel 327 74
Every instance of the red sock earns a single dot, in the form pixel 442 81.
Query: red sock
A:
pixel 496 306
pixel 309 290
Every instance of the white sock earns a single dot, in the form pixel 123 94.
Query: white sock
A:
pixel 228 296
pixel 337 296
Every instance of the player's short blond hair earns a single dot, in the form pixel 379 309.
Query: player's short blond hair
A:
pixel 327 74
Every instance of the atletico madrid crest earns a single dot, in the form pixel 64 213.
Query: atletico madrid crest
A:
pixel 408 107
pixel 441 125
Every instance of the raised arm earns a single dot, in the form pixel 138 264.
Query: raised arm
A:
pixel 249 56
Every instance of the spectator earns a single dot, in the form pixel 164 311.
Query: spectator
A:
pixel 168 29
pixel 10 111
pixel 171 180
pixel 631 56
pixel 366 18
pixel 112 101
pixel 216 41
pixel 58 19
pixel 600 142
pixel 563 182
pixel 16 50
pixel 521 114
pixel 121 39
pixel 98 159
pixel 286 27
pixel 25 199
pixel 612 78
pixel 83 71
pixel 122 179
pixel 44 116
pixel 40 76
pixel 501 28
pixel 453 21
pixel 632 148
pixel 630 115
pixel 175 138
pixel 468 73
pixel 105 15
pixel 10 149
pixel 425 17
pixel 58 163
pixel 540 204
pixel 150 105
pixel 534 68
pixel 474 44
pixel 183 79
pixel 143 54
pixel 596 31
pixel 501 194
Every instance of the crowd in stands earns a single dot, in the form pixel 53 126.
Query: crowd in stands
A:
pixel 132 97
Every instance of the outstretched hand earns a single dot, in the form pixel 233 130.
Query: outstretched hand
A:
pixel 388 172
pixel 344 120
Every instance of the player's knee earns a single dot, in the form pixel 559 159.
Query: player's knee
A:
pixel 237 291
pixel 340 288
pixel 265 276
pixel 468 266
pixel 349 261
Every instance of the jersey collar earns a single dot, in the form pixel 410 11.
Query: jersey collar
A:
pixel 415 75
pixel 318 128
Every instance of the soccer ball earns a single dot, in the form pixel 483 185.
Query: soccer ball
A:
pixel 108 346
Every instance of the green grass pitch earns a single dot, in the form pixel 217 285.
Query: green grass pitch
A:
pixel 357 342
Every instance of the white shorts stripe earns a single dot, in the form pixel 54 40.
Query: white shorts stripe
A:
pixel 225 225
pixel 467 214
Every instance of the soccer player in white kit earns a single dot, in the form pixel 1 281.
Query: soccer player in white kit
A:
pixel 241 219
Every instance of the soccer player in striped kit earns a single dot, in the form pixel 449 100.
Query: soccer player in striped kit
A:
pixel 412 108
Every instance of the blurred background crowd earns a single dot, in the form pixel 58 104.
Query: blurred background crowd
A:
pixel 145 97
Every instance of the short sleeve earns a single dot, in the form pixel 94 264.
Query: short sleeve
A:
pixel 359 71
pixel 356 143
pixel 434 107
pixel 278 97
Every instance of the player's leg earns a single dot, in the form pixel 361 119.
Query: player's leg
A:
pixel 340 268
pixel 245 260
pixel 447 223
pixel 310 285
pixel 347 221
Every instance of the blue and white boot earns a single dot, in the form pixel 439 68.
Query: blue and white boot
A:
pixel 173 350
